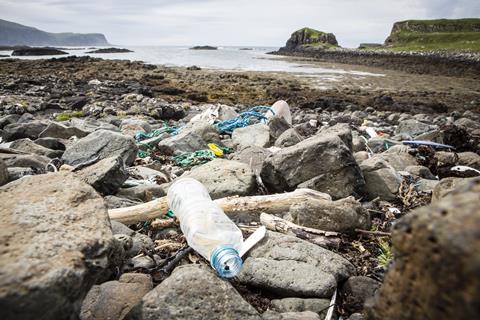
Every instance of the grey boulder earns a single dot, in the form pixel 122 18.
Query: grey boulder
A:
pixel 193 292
pixel 114 299
pixel 253 135
pixel 28 146
pixel 288 266
pixel 58 130
pixel 56 242
pixel 225 178
pixel 106 176
pixel 322 163
pixel 99 145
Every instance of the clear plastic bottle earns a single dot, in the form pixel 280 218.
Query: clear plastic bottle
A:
pixel 206 227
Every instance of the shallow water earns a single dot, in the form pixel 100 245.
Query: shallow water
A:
pixel 225 58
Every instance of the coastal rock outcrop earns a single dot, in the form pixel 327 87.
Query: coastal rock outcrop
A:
pixel 311 37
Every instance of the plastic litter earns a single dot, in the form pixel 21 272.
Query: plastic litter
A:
pixel 464 169
pixel 188 159
pixel 206 227
pixel 243 120
pixel 371 132
pixel 280 109
pixel 216 149
pixel 435 145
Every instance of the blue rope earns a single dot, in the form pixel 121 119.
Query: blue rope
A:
pixel 242 120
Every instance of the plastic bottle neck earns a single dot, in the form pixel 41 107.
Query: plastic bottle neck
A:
pixel 226 261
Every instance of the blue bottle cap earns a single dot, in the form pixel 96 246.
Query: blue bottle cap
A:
pixel 226 261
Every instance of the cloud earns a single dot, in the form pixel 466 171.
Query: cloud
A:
pixel 228 22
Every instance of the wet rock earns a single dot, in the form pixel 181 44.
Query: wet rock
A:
pixel 3 173
pixel 426 185
pixel 132 126
pixel 413 127
pixel 342 130
pixel 288 266
pixel 288 138
pixel 253 156
pixel 322 163
pixel 342 215
pixel 4 121
pixel 470 159
pixel 381 179
pixel 277 126
pixel 193 292
pixel 381 144
pixel 114 202
pixel 254 135
pixel 191 138
pixel 56 243
pixel 36 162
pixel 435 271
pixel 305 315
pixel 398 157
pixel 58 130
pixel 28 146
pixel 51 143
pixel 143 193
pixel 75 103
pixel 140 243
pixel 225 178
pixel 318 306
pixel 447 185
pixel 100 145
pixel 106 176
pixel 114 299
pixel 421 171
pixel 356 290
pixel 29 130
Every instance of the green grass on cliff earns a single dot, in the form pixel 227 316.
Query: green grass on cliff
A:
pixel 436 41
pixel 312 33
pixel 459 22
pixel 463 37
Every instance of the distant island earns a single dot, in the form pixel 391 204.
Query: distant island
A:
pixel 110 50
pixel 14 34
pixel 38 52
pixel 203 48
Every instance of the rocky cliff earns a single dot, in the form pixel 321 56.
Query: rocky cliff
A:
pixel 14 34
pixel 440 34
pixel 311 37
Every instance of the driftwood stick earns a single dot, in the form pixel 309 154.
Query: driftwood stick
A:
pixel 273 204
pixel 374 233
pixel 281 225
pixel 325 239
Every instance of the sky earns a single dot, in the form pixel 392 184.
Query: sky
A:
pixel 228 22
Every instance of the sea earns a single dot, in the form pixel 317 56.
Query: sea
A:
pixel 224 58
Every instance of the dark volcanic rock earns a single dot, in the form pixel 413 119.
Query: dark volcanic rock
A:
pixel 193 292
pixel 99 145
pixel 356 290
pixel 308 36
pixel 3 173
pixel 29 130
pixel 435 271
pixel 203 48
pixel 110 50
pixel 106 176
pixel 38 52
pixel 114 299
pixel 55 242
pixel 322 163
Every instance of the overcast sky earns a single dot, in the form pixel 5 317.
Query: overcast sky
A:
pixel 228 22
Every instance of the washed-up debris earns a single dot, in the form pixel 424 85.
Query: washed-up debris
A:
pixel 207 229
pixel 435 145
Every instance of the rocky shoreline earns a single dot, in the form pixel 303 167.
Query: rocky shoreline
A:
pixel 371 218
pixel 433 63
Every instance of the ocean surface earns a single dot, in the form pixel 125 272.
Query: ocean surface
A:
pixel 225 58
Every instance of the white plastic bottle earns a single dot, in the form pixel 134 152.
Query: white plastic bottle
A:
pixel 206 227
